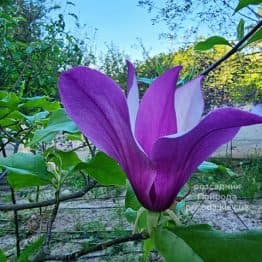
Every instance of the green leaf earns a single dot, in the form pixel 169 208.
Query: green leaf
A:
pixel 30 250
pixel 217 246
pixel 145 80
pixel 174 248
pixel 240 29
pixel 186 78
pixel 8 100
pixel 159 69
pixel 3 257
pixel 131 200
pixel 244 3
pixel 12 118
pixel 75 137
pixel 148 246
pixel 65 160
pixel 207 167
pixel 26 170
pixel 131 216
pixel 180 206
pixel 211 42
pixel 105 170
pixel 40 101
pixel 257 36
pixel 59 121
pixel 3 113
pixel 36 117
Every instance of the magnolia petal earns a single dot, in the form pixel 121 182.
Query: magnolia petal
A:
pixel 177 157
pixel 132 95
pixel 98 107
pixel 189 104
pixel 156 115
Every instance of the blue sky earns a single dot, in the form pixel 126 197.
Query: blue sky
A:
pixel 123 21
pixel 120 22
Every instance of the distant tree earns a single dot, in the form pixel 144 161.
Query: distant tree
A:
pixel 185 18
pixel 238 80
pixel 112 63
pixel 35 47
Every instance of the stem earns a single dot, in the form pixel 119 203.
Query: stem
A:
pixel 46 247
pixel 101 246
pixel 17 237
pixel 233 50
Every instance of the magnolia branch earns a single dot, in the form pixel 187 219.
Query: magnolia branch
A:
pixel 233 50
pixel 101 246
pixel 46 247
pixel 48 202
pixel 17 236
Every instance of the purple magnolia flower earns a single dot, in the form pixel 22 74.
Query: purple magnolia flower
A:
pixel 158 142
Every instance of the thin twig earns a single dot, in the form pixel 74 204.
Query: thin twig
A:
pixel 233 50
pixel 17 237
pixel 79 147
pixel 46 247
pixel 238 217
pixel 5 115
pixel 200 204
pixel 48 202
pixel 3 148
pixel 3 174
pixel 179 199
pixel 92 150
pixel 240 13
pixel 101 246
pixel 254 12
pixel 4 144
pixel 196 210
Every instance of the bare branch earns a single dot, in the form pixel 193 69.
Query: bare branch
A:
pixel 46 247
pixel 48 202
pixel 101 246
pixel 91 149
pixel 17 237
pixel 254 12
pixel 240 13
pixel 233 50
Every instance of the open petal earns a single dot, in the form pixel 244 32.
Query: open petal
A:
pixel 132 94
pixel 176 157
pixel 156 115
pixel 189 104
pixel 99 108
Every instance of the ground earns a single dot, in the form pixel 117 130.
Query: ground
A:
pixel 100 215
